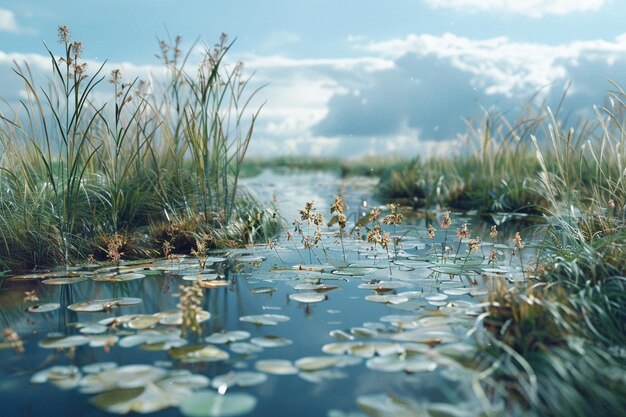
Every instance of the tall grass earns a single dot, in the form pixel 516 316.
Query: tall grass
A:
pixel 558 345
pixel 77 170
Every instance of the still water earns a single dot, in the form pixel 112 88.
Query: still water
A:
pixel 357 331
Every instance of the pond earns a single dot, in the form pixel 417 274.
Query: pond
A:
pixel 346 328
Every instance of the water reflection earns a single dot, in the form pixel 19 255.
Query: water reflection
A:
pixel 402 318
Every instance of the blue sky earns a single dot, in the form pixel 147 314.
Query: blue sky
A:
pixel 352 77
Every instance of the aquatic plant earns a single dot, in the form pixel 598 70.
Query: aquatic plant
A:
pixel 78 168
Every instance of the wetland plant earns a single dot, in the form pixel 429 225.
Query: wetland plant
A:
pixel 153 158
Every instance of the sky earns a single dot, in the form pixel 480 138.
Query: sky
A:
pixel 352 77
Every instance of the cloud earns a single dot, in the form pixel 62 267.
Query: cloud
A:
pixel 530 8
pixel 503 66
pixel 437 82
pixel 8 23
pixel 405 96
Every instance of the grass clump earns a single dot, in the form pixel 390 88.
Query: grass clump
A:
pixel 154 164
pixel 558 344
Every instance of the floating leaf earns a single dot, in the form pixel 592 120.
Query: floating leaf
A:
pixel 93 328
pixel 64 377
pixel 387 299
pixel 227 337
pixel 308 286
pixel 270 341
pixel 456 291
pixel 92 306
pixel 395 363
pixel 245 348
pixel 341 335
pixel 307 297
pixel 129 376
pixel 264 319
pixel 357 271
pixel 63 342
pixel 242 379
pixel 118 277
pixel 276 367
pixel 212 404
pixel 175 317
pixel 184 379
pixel 43 308
pixel 94 368
pixel 321 375
pixel 198 353
pixel 363 332
pixel 144 321
pixel 63 281
pixel 262 290
pixel 141 400
pixel 98 341
pixel 315 363
pixel 202 277
pixel 382 286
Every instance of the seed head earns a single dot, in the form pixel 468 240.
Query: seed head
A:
pixel 493 232
pixel 473 244
pixel 446 222
pixel 64 34
pixel 393 218
pixel 374 214
pixel 463 232
pixel 431 232
pixel 338 206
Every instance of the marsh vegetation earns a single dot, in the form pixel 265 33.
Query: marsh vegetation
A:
pixel 492 283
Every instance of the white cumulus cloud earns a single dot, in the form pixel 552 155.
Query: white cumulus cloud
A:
pixel 531 8
pixel 8 23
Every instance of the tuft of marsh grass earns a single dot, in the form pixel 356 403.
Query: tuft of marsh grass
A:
pixel 155 164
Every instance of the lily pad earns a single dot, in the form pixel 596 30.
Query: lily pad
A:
pixel 276 367
pixel 270 341
pixel 64 377
pixel 63 281
pixel 387 299
pixel 198 353
pixel 243 348
pixel 63 342
pixel 307 297
pixel 316 363
pixel 227 337
pixel 262 290
pixel 212 404
pixel 264 319
pixel 242 379
pixel 118 277
pixel 43 308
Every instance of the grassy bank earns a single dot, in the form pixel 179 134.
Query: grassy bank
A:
pixel 149 170
pixel 558 345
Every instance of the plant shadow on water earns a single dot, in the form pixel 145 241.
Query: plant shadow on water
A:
pixel 278 336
